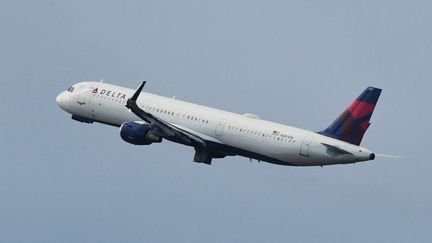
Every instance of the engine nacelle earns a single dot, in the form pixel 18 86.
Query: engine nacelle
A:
pixel 138 134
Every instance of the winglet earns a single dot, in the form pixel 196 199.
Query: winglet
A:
pixel 138 91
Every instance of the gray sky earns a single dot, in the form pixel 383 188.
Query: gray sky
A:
pixel 295 62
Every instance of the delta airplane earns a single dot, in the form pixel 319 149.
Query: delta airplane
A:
pixel 145 118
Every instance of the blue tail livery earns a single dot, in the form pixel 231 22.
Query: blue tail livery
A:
pixel 352 124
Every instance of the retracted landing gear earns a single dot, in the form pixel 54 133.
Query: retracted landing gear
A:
pixel 202 156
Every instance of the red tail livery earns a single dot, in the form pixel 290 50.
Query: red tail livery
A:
pixel 352 124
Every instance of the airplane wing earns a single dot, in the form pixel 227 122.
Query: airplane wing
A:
pixel 206 137
pixel 165 129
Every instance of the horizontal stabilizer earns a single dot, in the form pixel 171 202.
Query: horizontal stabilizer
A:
pixel 335 151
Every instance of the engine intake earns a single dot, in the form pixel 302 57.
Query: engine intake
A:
pixel 138 134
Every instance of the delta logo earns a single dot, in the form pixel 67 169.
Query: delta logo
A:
pixel 109 93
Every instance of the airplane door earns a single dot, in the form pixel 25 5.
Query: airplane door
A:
pixel 305 146
pixel 220 127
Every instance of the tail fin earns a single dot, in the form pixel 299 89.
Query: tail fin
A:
pixel 351 125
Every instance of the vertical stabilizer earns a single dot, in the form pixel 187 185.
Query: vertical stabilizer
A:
pixel 352 124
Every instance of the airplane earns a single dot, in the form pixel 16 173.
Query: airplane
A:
pixel 145 118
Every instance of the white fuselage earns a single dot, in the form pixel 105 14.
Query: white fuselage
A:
pixel 102 102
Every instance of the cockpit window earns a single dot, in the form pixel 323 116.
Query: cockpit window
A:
pixel 71 89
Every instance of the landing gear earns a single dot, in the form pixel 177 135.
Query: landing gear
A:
pixel 202 156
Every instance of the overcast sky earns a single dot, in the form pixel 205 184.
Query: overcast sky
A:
pixel 295 62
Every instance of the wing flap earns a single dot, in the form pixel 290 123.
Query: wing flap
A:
pixel 197 134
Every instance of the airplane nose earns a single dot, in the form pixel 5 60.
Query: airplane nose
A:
pixel 59 99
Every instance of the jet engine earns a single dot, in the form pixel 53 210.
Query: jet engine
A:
pixel 138 134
